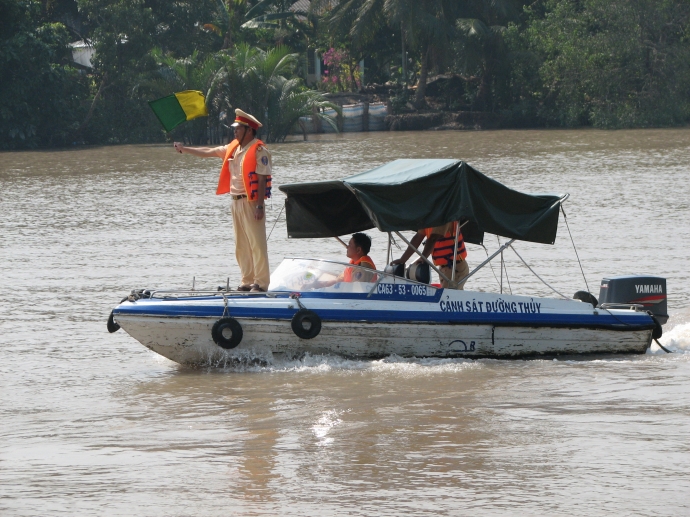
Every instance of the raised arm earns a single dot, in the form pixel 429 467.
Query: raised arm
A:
pixel 429 246
pixel 202 152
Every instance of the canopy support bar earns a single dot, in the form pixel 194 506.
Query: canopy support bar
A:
pixel 425 259
pixel 498 251
pixel 455 254
pixel 388 253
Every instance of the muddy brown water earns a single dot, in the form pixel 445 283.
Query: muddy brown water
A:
pixel 94 423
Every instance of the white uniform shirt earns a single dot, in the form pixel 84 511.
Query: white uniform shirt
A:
pixel 263 166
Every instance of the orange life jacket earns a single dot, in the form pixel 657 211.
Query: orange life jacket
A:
pixel 351 272
pixel 444 247
pixel 248 167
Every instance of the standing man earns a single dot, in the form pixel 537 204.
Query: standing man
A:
pixel 246 176
pixel 441 239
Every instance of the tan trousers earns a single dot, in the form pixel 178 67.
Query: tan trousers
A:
pixel 251 249
pixel 461 271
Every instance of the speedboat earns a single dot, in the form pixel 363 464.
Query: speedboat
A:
pixel 309 309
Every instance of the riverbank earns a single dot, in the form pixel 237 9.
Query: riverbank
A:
pixel 378 110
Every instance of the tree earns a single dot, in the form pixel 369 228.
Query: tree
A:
pixel 123 33
pixel 257 82
pixel 228 15
pixel 427 27
pixel 480 50
pixel 40 91
pixel 612 64
pixel 288 102
pixel 195 72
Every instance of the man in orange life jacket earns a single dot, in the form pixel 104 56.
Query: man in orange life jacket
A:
pixel 441 239
pixel 358 253
pixel 246 176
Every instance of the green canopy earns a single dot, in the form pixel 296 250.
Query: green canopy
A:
pixel 414 194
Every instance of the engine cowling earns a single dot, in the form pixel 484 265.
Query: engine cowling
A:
pixel 648 291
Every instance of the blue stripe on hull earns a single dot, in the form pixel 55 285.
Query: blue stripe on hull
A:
pixel 601 321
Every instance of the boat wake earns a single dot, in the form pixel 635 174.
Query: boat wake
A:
pixel 676 336
pixel 316 364
pixel 677 340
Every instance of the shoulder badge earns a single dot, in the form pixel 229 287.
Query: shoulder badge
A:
pixel 264 160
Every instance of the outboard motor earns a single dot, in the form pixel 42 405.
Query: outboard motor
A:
pixel 648 291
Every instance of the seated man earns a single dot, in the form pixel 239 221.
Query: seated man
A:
pixel 357 251
pixel 441 239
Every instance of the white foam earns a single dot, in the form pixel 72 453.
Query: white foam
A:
pixel 677 340
pixel 317 364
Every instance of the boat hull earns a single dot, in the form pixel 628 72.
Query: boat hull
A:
pixel 187 340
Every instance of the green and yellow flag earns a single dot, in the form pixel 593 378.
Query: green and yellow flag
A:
pixel 180 107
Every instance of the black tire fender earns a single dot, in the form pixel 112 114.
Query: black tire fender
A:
pixel 221 327
pixel 112 326
pixel 586 297
pixel 306 324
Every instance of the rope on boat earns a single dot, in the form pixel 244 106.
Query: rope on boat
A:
pixel 505 268
pixel 663 347
pixel 275 222
pixel 535 274
pixel 565 218
pixel 491 265
pixel 395 243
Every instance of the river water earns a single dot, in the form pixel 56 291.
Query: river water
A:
pixel 95 424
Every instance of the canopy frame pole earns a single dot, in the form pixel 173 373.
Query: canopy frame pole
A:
pixel 388 253
pixel 424 258
pixel 340 241
pixel 499 250
pixel 455 254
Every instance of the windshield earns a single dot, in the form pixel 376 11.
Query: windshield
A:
pixel 308 274
pixel 300 274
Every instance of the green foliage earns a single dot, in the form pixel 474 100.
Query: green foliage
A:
pixel 288 102
pixel 195 72
pixel 481 53
pixel 612 64
pixel 258 82
pixel 565 63
pixel 39 92
pixel 399 101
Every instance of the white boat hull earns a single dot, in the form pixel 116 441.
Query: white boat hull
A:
pixel 392 316
pixel 188 340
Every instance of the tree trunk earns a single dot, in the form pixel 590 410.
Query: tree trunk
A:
pixel 227 40
pixel 481 100
pixel 82 126
pixel 419 101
